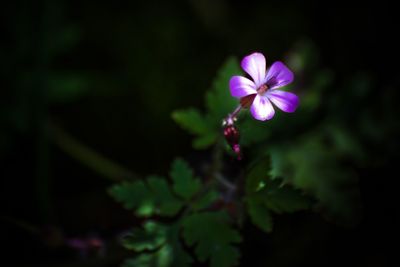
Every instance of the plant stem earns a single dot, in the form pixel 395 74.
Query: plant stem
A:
pixel 224 182
pixel 236 111
pixel 230 119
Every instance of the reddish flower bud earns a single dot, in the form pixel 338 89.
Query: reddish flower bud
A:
pixel 231 134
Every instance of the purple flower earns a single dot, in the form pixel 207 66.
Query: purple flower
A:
pixel 259 93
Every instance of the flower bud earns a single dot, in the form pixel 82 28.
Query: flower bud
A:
pixel 231 134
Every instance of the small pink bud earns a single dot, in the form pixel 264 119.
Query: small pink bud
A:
pixel 231 134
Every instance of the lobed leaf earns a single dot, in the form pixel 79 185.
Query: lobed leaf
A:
pixel 134 195
pixel 185 184
pixel 259 214
pixel 165 239
pixel 150 237
pixel 264 195
pixel 152 197
pixel 161 258
pixel 213 238
pixel 168 204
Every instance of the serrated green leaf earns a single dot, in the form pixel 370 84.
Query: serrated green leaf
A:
pixel 150 237
pixel 276 195
pixel 152 197
pixel 165 239
pixel 215 240
pixel 184 183
pixel 264 195
pixel 257 175
pixel 180 258
pixel 161 258
pixel 256 180
pixel 168 204
pixel 134 195
pixel 259 214
pixel 284 198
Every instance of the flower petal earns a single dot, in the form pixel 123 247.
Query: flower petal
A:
pixel 262 109
pixel 278 75
pixel 254 65
pixel 285 101
pixel 241 86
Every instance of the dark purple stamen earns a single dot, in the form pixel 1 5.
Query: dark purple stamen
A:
pixel 271 82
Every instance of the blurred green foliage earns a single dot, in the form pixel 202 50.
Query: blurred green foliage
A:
pixel 315 167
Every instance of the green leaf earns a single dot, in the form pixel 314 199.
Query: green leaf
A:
pixel 134 195
pixel 284 198
pixel 180 258
pixel 205 200
pixel 264 195
pixel 204 141
pixel 219 101
pixel 259 213
pixel 256 180
pixel 213 242
pixel 314 166
pixel 191 120
pixel 168 204
pixel 165 239
pixel 225 256
pixel 143 260
pixel 195 123
pixel 185 184
pixel 161 258
pixel 276 195
pixel 152 236
pixel 257 176
pixel 152 197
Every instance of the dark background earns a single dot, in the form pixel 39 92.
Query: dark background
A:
pixel 130 64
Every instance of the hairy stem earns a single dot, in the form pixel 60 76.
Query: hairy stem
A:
pixel 236 111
